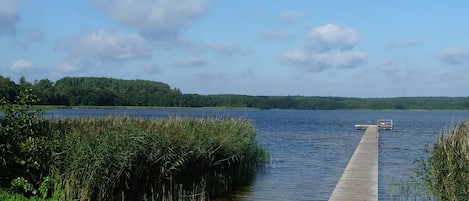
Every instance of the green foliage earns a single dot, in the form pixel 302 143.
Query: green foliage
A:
pixel 26 143
pixel 108 91
pixel 22 190
pixel 22 185
pixel 334 103
pixel 121 158
pixel 446 171
pixel 410 189
pixel 17 130
pixel 92 91
pixel 8 89
pixel 47 93
pixel 133 159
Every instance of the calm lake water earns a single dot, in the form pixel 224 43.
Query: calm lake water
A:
pixel 310 148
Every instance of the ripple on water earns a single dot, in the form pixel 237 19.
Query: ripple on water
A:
pixel 310 149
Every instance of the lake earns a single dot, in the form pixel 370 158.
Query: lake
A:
pixel 311 148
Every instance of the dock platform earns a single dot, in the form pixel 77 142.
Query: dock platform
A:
pixel 361 126
pixel 360 178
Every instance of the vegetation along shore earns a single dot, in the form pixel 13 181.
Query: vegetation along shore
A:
pixel 93 91
pixel 122 158
pixel 445 172
pixel 126 158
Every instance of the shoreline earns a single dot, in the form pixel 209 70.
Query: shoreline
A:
pixel 65 107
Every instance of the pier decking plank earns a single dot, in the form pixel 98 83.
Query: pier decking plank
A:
pixel 360 178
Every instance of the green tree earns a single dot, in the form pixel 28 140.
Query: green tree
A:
pixel 24 84
pixel 26 141
pixel 45 90
pixel 8 89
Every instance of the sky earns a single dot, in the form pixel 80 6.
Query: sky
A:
pixel 276 48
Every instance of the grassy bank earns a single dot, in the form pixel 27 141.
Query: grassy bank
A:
pixel 122 158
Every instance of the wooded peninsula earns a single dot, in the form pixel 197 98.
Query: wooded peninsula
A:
pixel 100 91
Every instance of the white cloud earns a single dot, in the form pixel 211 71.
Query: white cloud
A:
pixel 387 66
pixel 21 66
pixel 69 67
pixel 160 19
pixel 105 45
pixel 296 57
pixel 328 46
pixel 454 56
pixel 150 68
pixel 331 36
pixel 190 61
pixel 402 74
pixel 9 16
pixel 315 62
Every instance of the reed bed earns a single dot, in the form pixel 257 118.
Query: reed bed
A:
pixel 446 171
pixel 410 189
pixel 167 159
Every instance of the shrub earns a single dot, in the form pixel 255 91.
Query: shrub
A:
pixel 26 141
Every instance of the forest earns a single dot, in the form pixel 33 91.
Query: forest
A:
pixel 101 91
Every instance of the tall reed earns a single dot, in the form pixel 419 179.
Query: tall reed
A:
pixel 446 171
pixel 168 159
pixel 410 189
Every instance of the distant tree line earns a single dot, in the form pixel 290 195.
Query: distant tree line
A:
pixel 93 91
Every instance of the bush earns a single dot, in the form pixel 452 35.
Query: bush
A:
pixel 26 141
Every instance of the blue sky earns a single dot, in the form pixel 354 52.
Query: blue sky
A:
pixel 309 48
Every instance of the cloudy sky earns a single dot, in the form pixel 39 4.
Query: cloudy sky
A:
pixel 310 48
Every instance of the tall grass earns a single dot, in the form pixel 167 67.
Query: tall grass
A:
pixel 121 158
pixel 446 171
pixel 411 189
pixel 170 159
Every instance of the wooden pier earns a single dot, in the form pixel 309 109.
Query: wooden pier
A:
pixel 360 178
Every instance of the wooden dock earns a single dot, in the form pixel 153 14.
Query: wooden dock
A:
pixel 360 178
